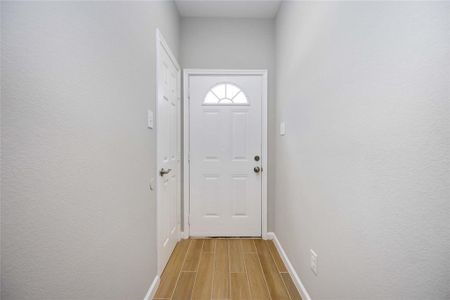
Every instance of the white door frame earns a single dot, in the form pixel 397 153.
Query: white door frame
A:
pixel 187 73
pixel 160 41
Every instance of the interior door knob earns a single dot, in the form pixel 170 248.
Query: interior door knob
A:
pixel 257 169
pixel 163 172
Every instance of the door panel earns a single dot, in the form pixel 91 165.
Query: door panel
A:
pixel 225 135
pixel 239 135
pixel 167 155
pixel 239 195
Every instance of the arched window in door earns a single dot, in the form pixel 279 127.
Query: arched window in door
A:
pixel 225 94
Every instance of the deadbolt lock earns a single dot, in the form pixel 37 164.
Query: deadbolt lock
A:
pixel 257 158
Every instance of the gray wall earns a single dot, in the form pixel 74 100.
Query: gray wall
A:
pixel 362 176
pixel 78 218
pixel 235 44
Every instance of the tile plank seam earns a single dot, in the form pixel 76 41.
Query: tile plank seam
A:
pixel 229 269
pixel 246 272
pixel 197 268
pixel 214 267
pixel 279 271
pixel 181 268
pixel 262 270
pixel 277 285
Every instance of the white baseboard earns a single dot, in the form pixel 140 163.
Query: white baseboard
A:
pixel 184 235
pixel 152 290
pixel 295 278
pixel 270 236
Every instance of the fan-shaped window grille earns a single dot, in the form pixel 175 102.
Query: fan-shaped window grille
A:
pixel 225 94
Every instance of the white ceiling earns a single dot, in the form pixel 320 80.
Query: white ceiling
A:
pixel 228 9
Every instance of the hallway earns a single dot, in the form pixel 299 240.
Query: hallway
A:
pixel 226 269
pixel 141 141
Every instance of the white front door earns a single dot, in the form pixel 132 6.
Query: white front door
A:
pixel 168 156
pixel 225 155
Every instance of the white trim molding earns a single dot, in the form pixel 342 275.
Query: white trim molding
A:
pixel 186 113
pixel 152 289
pixel 295 278
pixel 184 235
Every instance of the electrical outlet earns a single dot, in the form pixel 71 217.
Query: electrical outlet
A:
pixel 314 261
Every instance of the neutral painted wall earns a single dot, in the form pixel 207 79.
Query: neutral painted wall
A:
pixel 235 44
pixel 78 217
pixel 362 176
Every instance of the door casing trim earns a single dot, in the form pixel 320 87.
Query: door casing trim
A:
pixel 187 73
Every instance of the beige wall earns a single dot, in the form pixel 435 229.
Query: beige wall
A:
pixel 235 44
pixel 362 176
pixel 78 217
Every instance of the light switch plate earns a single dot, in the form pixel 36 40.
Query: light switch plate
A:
pixel 282 128
pixel 150 119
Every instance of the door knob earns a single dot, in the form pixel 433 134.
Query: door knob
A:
pixel 163 172
pixel 257 169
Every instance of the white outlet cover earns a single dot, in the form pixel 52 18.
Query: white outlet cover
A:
pixel 150 119
pixel 282 128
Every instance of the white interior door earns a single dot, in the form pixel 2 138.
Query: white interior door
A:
pixel 168 154
pixel 225 155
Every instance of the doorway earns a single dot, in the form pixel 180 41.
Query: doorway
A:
pixel 168 136
pixel 225 140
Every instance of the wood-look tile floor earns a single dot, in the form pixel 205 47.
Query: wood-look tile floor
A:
pixel 226 269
